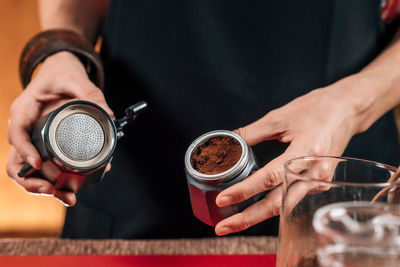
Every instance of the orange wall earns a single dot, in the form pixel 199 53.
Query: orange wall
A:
pixel 21 214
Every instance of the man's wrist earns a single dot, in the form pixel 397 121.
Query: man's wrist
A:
pixel 62 56
pixel 368 93
pixel 48 43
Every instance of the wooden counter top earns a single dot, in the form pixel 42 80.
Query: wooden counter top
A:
pixel 54 246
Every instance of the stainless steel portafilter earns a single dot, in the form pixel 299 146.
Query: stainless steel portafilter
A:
pixel 76 142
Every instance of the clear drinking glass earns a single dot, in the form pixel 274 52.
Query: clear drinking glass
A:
pixel 313 182
pixel 358 234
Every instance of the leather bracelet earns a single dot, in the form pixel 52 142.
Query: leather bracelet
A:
pixel 50 42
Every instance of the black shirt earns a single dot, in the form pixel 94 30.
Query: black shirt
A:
pixel 204 65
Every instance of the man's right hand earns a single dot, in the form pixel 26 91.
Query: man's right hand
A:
pixel 60 79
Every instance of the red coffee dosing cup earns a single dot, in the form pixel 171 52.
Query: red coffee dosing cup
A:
pixel 205 187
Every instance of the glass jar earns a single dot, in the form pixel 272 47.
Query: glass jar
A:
pixel 313 182
pixel 358 234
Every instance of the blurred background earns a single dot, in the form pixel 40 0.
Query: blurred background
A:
pixel 21 214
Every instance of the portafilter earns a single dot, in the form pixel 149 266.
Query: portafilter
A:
pixel 76 142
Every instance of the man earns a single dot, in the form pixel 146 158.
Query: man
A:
pixel 315 68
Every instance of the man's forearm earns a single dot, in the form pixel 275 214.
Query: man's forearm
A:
pixel 84 17
pixel 376 88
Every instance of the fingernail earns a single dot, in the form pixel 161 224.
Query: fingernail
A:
pixel 69 199
pixel 224 201
pixel 62 202
pixel 45 191
pixel 225 231
pixel 42 189
pixel 31 160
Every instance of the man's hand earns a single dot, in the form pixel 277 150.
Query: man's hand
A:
pixel 321 122
pixel 60 79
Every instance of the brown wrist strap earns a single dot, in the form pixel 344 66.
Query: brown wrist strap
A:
pixel 50 42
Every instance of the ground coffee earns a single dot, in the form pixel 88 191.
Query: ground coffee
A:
pixel 217 155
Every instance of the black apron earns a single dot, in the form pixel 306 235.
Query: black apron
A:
pixel 204 65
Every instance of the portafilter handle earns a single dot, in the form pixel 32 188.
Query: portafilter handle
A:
pixel 131 114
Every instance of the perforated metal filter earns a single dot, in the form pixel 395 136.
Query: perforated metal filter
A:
pixel 80 137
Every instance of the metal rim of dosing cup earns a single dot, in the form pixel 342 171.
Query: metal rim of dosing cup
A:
pixel 390 168
pixel 232 172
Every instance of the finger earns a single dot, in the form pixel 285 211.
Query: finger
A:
pixel 298 189
pixel 266 208
pixel 56 103
pixel 93 94
pixel 267 177
pixel 108 168
pixel 295 192
pixel 36 185
pixel 31 184
pixel 263 179
pixel 76 88
pixel 14 163
pixel 304 176
pixel 267 128
pixel 67 198
pixel 14 158
pixel 322 169
pixel 22 120
pixel 317 172
pixel 270 206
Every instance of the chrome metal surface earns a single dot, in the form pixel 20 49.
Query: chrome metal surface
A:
pixel 80 136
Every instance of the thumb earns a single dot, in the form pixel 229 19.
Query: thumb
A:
pixel 94 94
pixel 268 127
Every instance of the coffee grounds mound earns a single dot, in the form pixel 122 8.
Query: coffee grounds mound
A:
pixel 217 155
